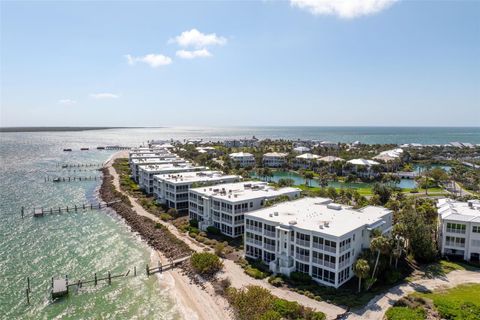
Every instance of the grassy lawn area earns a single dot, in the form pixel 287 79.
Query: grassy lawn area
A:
pixel 362 191
pixel 443 267
pixel 461 302
pixel 405 313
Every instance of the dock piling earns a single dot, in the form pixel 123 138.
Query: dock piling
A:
pixel 109 278
pixel 28 283
pixel 95 281
pixel 148 271
pixel 28 295
pixel 135 271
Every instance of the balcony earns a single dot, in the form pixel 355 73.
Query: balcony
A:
pixel 344 263
pixel 270 234
pixel 460 231
pixel 239 222
pixel 254 242
pixel 329 264
pixel 330 249
pixel 302 257
pixel 255 229
pixel 303 243
pixel 454 244
pixel 269 247
pixel 345 248
pixel 227 221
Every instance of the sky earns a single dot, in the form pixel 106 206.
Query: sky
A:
pixel 234 63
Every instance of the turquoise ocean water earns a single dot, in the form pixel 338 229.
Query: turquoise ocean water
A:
pixel 79 244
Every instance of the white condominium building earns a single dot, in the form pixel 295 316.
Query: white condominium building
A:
pixel 224 205
pixel 459 228
pixel 274 159
pixel 313 236
pixel 306 160
pixel 173 189
pixel 136 163
pixel 244 159
pixel 146 173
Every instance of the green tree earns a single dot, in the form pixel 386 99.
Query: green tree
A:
pixel 361 269
pixel 381 245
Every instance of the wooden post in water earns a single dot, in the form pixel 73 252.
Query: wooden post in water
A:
pixel 28 283
pixel 51 210
pixel 95 278
pixel 148 271
pixel 75 207
pixel 91 206
pixel 23 211
pixel 28 296
pixel 52 282
pixel 135 271
pixel 109 278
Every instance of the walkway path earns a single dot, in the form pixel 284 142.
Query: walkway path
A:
pixel 231 270
pixel 376 308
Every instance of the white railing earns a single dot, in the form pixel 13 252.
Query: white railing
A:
pixel 454 244
pixel 303 243
pixel 329 264
pixel 451 230
pixel 302 257
pixel 346 247
pixel 344 263
pixel 330 249
pixel 269 247
pixel 268 233
pixel 255 242
pixel 256 229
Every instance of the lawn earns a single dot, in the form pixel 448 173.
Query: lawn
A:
pixel 461 302
pixel 405 313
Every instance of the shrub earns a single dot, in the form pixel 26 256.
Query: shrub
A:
pixel 270 315
pixel 219 249
pixel 213 230
pixel 158 225
pixel 275 281
pixel 255 273
pixel 193 223
pixel 165 217
pixel 286 308
pixel 206 263
pixel 300 277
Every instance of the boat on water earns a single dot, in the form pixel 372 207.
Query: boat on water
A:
pixel 56 180
pixel 68 149
pixel 64 166
pixel 84 149
pixel 100 148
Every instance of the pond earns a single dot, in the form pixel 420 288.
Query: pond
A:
pixel 299 180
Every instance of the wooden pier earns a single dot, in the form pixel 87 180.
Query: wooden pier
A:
pixel 60 286
pixel 79 165
pixel 40 211
pixel 72 179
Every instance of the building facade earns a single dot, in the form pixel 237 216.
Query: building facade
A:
pixel 313 236
pixel 224 206
pixel 173 189
pixel 274 159
pixel 146 173
pixel 459 228
pixel 243 159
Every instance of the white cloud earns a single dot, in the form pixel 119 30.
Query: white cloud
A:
pixel 196 39
pixel 343 8
pixel 185 54
pixel 67 102
pixel 153 60
pixel 104 95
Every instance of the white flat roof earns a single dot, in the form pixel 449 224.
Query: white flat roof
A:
pixel 275 154
pixel 449 209
pixel 363 162
pixel 308 156
pixel 240 154
pixel 170 167
pixel 196 176
pixel 241 191
pixel 146 161
pixel 314 214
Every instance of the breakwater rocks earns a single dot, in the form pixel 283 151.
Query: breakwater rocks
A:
pixel 155 234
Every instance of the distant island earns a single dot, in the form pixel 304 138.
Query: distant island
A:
pixel 43 129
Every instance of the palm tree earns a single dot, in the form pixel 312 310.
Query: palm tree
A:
pixel 382 246
pixel 362 269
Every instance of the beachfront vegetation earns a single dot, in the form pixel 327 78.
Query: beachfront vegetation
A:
pixel 206 263
pixel 254 302
pixel 460 302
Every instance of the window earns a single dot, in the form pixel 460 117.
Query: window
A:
pixel 456 227
pixel 476 229
pixel 302 267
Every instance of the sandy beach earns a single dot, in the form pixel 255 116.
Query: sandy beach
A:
pixel 192 301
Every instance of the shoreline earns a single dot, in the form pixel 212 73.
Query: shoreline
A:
pixel 191 300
